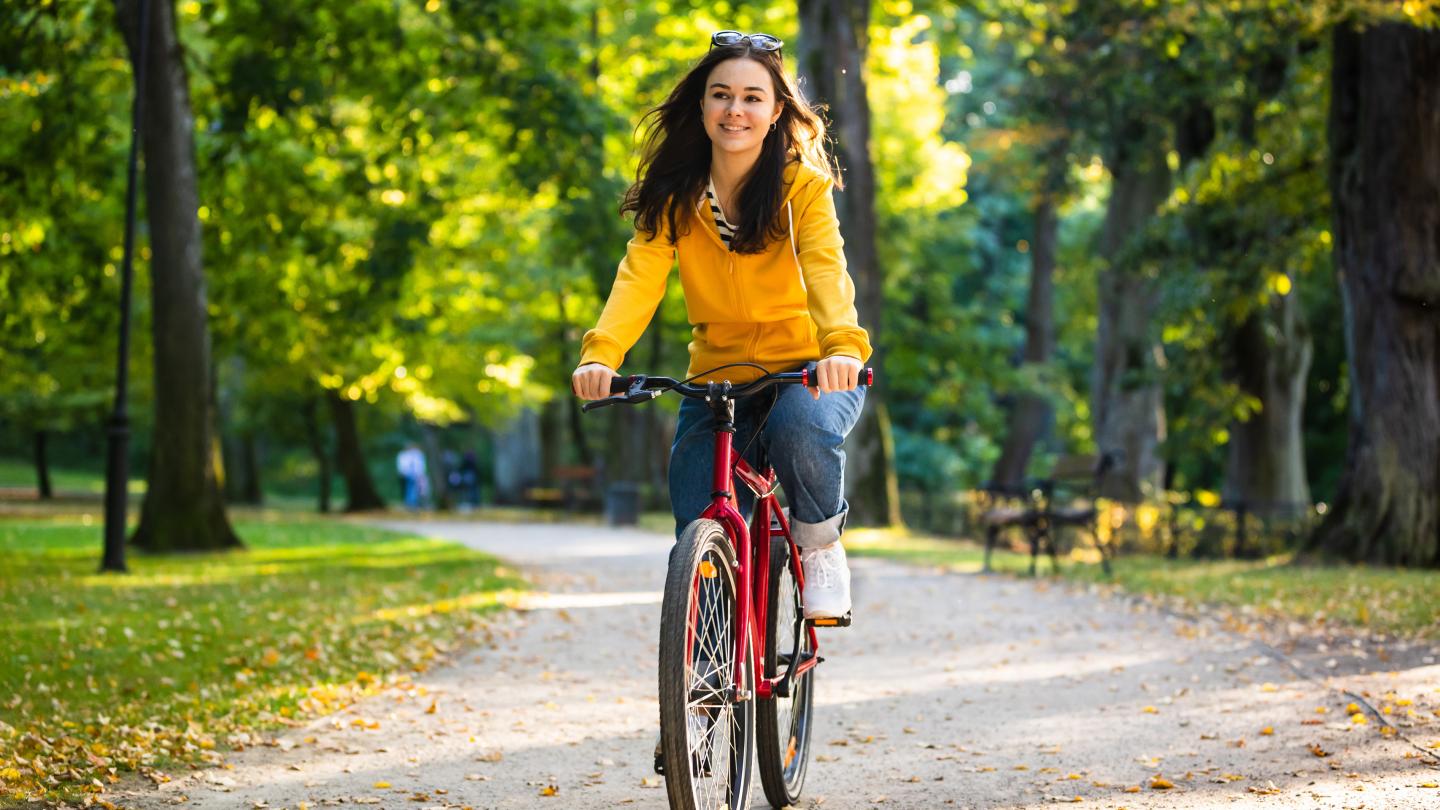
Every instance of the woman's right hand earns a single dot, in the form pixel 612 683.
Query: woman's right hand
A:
pixel 592 381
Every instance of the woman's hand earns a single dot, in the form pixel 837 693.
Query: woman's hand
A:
pixel 592 381
pixel 837 373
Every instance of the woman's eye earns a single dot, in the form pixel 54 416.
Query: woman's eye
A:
pixel 753 99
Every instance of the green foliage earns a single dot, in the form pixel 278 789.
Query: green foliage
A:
pixel 60 229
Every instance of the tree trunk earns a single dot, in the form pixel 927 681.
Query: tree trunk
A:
pixel 1385 183
pixel 360 492
pixel 184 508
pixel 1269 359
pixel 833 41
pixel 436 469
pixel 316 440
pixel 1129 413
pixel 574 416
pixel 517 457
pixel 250 489
pixel 42 467
pixel 1031 414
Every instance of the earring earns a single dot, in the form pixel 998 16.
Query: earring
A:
pixel 772 126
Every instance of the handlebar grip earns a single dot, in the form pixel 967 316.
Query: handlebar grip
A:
pixel 867 376
pixel 621 384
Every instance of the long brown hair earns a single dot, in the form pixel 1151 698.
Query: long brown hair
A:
pixel 675 161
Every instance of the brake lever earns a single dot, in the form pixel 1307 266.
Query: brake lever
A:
pixel 628 399
pixel 600 403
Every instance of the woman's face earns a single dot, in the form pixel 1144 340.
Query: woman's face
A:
pixel 739 105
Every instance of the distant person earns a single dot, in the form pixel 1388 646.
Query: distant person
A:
pixel 469 484
pixel 410 464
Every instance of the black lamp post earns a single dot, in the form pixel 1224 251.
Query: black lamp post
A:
pixel 117 476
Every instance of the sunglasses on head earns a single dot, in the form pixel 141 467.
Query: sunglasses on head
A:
pixel 760 42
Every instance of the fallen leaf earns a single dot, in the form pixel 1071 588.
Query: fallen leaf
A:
pixel 381 785
pixel 1267 731
pixel 549 790
pixel 1318 751
pixel 1159 782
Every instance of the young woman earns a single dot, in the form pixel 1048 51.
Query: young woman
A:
pixel 736 183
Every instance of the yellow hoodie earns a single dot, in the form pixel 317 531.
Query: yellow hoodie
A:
pixel 790 304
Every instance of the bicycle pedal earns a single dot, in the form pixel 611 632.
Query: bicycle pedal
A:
pixel 830 621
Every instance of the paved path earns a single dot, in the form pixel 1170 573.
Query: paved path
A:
pixel 950 691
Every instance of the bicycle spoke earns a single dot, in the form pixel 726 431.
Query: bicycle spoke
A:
pixel 785 642
pixel 710 670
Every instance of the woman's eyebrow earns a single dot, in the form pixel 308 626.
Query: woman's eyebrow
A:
pixel 727 87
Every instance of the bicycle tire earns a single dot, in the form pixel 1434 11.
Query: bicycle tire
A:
pixel 698 705
pixel 783 723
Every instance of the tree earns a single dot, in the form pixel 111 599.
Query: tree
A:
pixel 1385 186
pixel 60 216
pixel 184 508
pixel 833 41
pixel 1032 412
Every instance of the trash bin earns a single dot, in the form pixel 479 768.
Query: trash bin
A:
pixel 622 504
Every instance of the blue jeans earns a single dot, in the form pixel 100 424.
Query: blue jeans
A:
pixel 803 439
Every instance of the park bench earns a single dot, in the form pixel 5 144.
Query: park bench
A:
pixel 1065 498
pixel 579 486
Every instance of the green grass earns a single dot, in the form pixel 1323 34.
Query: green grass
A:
pixel 106 673
pixel 20 474
pixel 1391 600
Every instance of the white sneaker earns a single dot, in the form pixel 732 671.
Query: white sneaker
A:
pixel 827 582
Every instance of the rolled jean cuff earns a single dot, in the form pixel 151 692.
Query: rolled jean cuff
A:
pixel 818 535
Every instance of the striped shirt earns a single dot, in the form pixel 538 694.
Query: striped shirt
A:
pixel 727 231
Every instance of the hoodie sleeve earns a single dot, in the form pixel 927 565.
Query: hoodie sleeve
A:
pixel 638 290
pixel 829 291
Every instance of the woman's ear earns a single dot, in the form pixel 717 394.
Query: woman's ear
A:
pixel 779 108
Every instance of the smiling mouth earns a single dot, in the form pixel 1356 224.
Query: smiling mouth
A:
pixel 729 128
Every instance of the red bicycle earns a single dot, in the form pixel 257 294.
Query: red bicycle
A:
pixel 735 650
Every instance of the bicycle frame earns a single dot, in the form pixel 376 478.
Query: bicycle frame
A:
pixel 752 553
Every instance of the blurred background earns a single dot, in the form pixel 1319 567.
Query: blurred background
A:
pixel 1108 229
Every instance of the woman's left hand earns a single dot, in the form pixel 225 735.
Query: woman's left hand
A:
pixel 837 373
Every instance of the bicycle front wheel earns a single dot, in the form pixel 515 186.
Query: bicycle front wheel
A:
pixel 707 734
pixel 785 720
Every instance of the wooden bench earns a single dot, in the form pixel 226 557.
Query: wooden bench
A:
pixel 580 485
pixel 1065 498
pixel 570 487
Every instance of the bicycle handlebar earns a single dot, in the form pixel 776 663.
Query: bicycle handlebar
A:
pixel 637 388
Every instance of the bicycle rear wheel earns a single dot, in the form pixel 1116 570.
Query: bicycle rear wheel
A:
pixel 783 722
pixel 707 736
